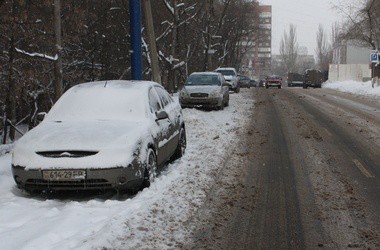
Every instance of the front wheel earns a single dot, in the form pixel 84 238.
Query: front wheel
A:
pixel 150 168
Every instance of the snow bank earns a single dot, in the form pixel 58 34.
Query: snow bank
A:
pixel 360 88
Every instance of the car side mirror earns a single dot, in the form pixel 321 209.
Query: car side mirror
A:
pixel 40 116
pixel 161 115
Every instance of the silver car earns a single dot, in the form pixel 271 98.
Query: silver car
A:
pixel 207 89
pixel 101 135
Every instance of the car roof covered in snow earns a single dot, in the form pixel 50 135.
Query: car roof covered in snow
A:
pixel 103 100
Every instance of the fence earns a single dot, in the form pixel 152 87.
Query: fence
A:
pixel 346 72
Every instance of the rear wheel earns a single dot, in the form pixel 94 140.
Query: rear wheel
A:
pixel 150 168
pixel 181 147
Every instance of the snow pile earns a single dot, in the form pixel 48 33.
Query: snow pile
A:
pixel 156 218
pixel 360 88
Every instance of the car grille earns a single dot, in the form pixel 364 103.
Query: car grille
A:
pixel 68 154
pixel 199 95
pixel 67 185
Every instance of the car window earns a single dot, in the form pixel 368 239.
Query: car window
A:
pixel 226 72
pixel 154 101
pixel 199 79
pixel 164 96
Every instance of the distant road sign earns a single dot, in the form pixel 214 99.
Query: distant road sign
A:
pixel 374 57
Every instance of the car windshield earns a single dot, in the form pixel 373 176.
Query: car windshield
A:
pixel 226 72
pixel 87 104
pixel 202 80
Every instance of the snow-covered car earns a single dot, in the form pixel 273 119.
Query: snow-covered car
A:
pixel 231 77
pixel 207 89
pixel 101 135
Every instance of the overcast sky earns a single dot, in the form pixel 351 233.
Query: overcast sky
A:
pixel 306 15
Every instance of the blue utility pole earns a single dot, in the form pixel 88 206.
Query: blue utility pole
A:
pixel 136 51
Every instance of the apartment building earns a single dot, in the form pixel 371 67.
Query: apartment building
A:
pixel 263 47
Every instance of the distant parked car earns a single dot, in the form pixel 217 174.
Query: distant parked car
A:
pixel 313 78
pixel 245 82
pixel 101 135
pixel 207 89
pixel 273 81
pixel 294 79
pixel 231 77
pixel 261 82
pixel 253 83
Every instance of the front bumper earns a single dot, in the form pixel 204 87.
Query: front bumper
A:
pixel 206 102
pixel 273 85
pixel 120 178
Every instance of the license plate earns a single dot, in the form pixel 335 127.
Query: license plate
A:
pixel 64 175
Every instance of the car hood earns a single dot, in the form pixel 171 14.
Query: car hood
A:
pixel 201 89
pixel 112 142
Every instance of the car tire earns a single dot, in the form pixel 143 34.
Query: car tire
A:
pixel 237 90
pixel 150 168
pixel 181 146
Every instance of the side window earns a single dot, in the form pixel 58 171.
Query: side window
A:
pixel 154 101
pixel 165 97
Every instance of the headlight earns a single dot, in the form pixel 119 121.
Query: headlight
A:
pixel 183 93
pixel 215 94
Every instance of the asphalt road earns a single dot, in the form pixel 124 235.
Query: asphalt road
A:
pixel 305 176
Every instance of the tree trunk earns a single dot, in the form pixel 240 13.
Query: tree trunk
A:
pixel 173 79
pixel 10 110
pixel 152 41
pixel 58 86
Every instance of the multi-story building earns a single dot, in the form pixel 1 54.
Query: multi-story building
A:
pixel 263 46
pixel 257 49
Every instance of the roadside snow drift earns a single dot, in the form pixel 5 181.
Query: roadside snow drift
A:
pixel 359 88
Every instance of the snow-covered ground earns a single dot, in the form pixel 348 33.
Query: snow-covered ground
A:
pixel 156 218
pixel 359 88
pixel 153 219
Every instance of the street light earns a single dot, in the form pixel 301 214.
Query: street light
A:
pixel 136 51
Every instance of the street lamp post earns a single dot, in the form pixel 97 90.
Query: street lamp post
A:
pixel 136 51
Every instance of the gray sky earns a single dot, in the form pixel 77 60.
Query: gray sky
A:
pixel 306 15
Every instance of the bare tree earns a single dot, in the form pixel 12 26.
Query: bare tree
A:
pixel 289 49
pixel 363 25
pixel 323 50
